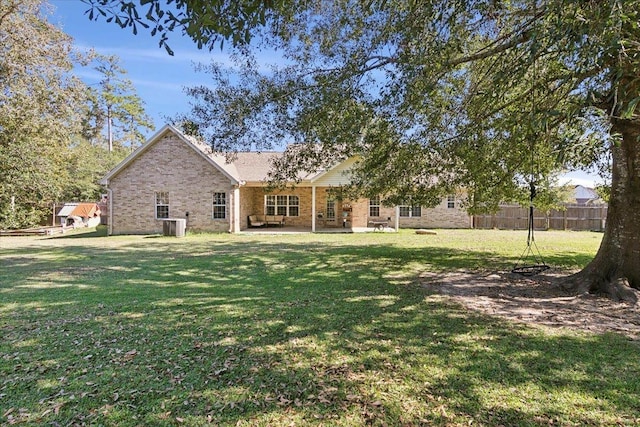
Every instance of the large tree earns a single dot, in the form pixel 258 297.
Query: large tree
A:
pixel 434 95
pixel 41 104
pixel 116 112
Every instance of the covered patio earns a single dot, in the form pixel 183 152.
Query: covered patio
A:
pixel 314 205
pixel 304 230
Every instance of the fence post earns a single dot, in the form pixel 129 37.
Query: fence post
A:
pixel 547 221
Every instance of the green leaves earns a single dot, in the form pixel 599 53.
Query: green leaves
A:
pixel 45 112
pixel 630 109
pixel 117 114
pixel 208 23
pixel 41 104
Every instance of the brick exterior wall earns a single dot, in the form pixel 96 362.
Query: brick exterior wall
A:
pixel 172 166
pixel 440 216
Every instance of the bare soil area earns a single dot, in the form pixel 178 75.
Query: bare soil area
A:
pixel 537 300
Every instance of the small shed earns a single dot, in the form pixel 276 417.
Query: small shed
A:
pixel 79 215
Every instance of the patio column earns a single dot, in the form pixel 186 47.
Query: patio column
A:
pixel 397 218
pixel 235 200
pixel 313 209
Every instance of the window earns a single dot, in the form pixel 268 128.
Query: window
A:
pixel 162 204
pixel 219 205
pixel 374 206
pixel 410 211
pixel 451 202
pixel 331 210
pixel 282 205
pixel 294 206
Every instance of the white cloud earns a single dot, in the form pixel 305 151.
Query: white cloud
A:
pixel 580 178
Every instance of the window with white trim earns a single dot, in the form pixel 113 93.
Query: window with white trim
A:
pixel 410 211
pixel 162 204
pixel 282 205
pixel 451 201
pixel 374 206
pixel 331 209
pixel 219 205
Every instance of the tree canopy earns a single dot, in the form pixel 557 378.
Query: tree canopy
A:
pixel 439 95
pixel 433 95
pixel 44 112
pixel 208 22
pixel 116 107
pixel 41 103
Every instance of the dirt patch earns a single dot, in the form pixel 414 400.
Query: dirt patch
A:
pixel 536 300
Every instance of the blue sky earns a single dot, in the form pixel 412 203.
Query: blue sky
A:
pixel 158 77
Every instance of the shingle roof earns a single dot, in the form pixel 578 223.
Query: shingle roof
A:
pixel 249 166
pixel 245 167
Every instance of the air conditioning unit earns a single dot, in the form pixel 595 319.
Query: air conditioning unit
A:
pixel 174 227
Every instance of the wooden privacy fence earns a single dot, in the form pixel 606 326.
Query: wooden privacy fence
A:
pixel 574 217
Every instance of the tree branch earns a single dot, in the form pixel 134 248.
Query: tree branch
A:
pixel 488 51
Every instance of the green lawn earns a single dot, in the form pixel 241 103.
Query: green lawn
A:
pixel 291 330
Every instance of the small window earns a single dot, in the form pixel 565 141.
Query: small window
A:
pixel 410 211
pixel 331 210
pixel 219 205
pixel 451 202
pixel 281 205
pixel 374 206
pixel 294 206
pixel 162 204
pixel 270 205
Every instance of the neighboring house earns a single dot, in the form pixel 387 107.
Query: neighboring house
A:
pixel 79 215
pixel 586 196
pixel 174 176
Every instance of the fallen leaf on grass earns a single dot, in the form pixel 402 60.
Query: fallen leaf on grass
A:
pixel 323 399
pixel 282 401
pixel 130 355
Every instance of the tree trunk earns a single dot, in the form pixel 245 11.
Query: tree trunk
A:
pixel 109 131
pixel 615 270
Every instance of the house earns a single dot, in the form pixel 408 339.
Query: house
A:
pixel 174 176
pixel 586 196
pixel 79 215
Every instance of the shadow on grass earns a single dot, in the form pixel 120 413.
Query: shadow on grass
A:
pixel 273 333
pixel 99 231
pixel 567 259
